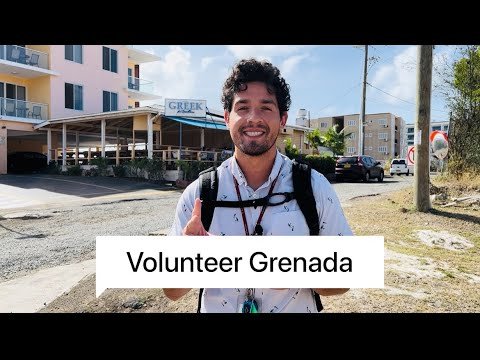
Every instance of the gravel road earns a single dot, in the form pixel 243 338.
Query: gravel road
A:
pixel 43 237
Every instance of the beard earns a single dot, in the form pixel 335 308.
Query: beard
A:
pixel 254 147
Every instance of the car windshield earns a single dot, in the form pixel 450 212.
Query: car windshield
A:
pixel 347 160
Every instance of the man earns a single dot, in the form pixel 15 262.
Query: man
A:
pixel 256 100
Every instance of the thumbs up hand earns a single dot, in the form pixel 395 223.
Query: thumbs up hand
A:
pixel 194 226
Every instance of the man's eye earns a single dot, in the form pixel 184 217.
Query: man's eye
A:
pixel 242 108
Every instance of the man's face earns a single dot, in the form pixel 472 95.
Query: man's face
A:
pixel 255 120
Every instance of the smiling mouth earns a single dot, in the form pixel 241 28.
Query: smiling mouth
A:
pixel 253 133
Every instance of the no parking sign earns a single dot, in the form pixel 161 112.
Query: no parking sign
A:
pixel 410 155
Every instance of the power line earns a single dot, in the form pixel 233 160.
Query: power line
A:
pixel 396 97
pixel 342 96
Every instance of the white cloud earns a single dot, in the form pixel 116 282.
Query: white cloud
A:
pixel 398 78
pixel 289 64
pixel 206 61
pixel 173 75
pixel 264 51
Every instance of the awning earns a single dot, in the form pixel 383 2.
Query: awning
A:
pixel 203 123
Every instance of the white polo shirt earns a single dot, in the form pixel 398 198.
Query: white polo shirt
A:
pixel 285 219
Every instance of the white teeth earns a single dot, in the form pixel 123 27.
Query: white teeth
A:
pixel 253 133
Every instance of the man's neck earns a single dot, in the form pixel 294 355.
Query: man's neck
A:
pixel 256 168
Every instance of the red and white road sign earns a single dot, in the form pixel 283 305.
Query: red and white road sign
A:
pixel 410 155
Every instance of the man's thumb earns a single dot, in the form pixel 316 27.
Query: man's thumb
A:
pixel 197 208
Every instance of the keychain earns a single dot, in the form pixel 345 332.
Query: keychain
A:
pixel 250 305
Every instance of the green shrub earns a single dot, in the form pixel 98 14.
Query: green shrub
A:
pixel 102 164
pixel 74 170
pixel 119 171
pixel 323 164
pixel 191 169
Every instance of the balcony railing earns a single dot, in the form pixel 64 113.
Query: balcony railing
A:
pixel 23 109
pixel 25 56
pixel 140 85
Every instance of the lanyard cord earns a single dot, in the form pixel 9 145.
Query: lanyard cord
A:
pixel 264 207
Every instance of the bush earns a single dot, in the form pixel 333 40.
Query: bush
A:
pixel 191 169
pixel 119 171
pixel 74 170
pixel 53 168
pixel 323 164
pixel 102 164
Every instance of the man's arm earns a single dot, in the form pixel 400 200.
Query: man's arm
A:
pixel 329 292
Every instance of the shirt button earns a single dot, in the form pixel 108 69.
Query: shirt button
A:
pixel 255 195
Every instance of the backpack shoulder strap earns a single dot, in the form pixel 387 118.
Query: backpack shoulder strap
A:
pixel 208 183
pixel 302 187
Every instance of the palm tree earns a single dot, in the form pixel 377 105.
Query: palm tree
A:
pixel 315 139
pixel 335 140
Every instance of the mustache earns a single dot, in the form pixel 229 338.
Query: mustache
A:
pixel 262 127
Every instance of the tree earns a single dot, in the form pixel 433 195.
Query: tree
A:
pixel 315 140
pixel 464 103
pixel 335 140
pixel 290 150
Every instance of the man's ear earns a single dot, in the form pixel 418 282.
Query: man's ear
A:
pixel 226 117
pixel 283 119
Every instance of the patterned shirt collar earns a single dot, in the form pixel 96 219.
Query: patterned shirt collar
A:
pixel 238 173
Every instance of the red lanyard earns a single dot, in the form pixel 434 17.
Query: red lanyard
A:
pixel 259 220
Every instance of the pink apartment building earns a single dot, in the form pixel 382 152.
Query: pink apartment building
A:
pixel 41 83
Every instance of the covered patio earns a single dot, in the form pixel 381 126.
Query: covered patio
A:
pixel 121 136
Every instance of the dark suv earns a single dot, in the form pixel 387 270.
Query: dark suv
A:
pixel 26 161
pixel 358 167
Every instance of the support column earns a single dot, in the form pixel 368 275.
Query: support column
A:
pixel 133 144
pixel 103 137
pixel 64 147
pixel 150 136
pixel 77 145
pixel 202 139
pixel 49 146
pixel 3 149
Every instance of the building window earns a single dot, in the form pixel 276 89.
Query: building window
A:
pixel 74 53
pixel 351 150
pixel 410 130
pixel 382 135
pixel 351 122
pixel 445 128
pixel 382 149
pixel 109 59
pixel 382 121
pixel 110 101
pixel 439 127
pixel 73 96
pixel 323 125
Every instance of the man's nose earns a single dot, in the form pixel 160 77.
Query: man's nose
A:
pixel 255 115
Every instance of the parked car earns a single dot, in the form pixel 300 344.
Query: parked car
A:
pixel 358 167
pixel 26 161
pixel 399 166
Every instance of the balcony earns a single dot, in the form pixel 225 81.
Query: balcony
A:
pixel 139 56
pixel 25 111
pixel 23 62
pixel 140 89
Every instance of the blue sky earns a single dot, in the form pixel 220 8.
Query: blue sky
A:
pixel 326 80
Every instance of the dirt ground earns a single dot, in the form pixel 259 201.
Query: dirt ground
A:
pixel 431 261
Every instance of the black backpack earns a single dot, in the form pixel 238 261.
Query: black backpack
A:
pixel 302 192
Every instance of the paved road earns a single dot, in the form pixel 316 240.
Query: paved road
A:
pixel 56 220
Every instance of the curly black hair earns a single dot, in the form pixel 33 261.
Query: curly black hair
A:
pixel 250 70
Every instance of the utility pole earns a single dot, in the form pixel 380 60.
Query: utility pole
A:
pixel 361 131
pixel 421 179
